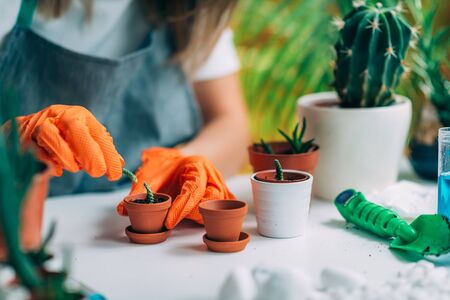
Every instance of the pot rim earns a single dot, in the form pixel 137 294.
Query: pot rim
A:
pixel 223 213
pixel 129 200
pixel 308 101
pixel 305 177
pixel 309 179
pixel 252 151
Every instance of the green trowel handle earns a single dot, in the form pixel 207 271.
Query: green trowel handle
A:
pixel 356 209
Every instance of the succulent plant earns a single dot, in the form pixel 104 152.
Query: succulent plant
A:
pixel 279 170
pixel 373 41
pixel 295 140
pixel 266 147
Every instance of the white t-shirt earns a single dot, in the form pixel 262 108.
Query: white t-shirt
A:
pixel 116 28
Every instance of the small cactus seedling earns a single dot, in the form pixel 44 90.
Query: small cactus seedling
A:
pixel 130 175
pixel 150 197
pixel 279 170
pixel 295 140
pixel 372 44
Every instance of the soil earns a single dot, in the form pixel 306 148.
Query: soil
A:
pixel 282 150
pixel 330 103
pixel 289 177
pixel 157 200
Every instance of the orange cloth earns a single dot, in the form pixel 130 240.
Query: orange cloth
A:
pixel 71 138
pixel 189 180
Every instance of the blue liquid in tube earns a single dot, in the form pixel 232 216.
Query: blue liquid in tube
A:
pixel 444 195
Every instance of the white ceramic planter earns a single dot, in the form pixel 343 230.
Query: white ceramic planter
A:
pixel 360 148
pixel 282 209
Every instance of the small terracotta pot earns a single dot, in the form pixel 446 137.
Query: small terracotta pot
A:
pixel 145 217
pixel 32 213
pixel 305 162
pixel 223 219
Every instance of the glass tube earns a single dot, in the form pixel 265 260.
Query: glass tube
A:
pixel 444 172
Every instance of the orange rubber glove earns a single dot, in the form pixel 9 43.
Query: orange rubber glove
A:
pixel 189 180
pixel 71 138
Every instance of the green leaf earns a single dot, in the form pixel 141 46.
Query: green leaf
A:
pixel 266 147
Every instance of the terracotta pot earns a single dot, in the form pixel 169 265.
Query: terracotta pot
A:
pixel 32 213
pixel 260 161
pixel 223 219
pixel 281 207
pixel 145 217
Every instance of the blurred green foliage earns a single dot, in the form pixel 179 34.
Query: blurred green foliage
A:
pixel 286 47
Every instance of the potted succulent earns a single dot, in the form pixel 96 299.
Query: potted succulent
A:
pixel 363 126
pixel 147 213
pixel 32 210
pixel 294 153
pixel 429 66
pixel 281 200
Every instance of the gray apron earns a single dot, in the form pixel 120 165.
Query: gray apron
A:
pixel 141 99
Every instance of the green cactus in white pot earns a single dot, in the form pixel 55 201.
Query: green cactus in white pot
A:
pixel 362 127
pixel 372 45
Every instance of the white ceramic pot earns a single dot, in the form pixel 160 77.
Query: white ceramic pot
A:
pixel 282 209
pixel 361 148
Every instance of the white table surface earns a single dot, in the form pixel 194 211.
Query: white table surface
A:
pixel 182 268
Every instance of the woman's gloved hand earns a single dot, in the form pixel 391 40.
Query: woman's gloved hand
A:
pixel 71 138
pixel 189 180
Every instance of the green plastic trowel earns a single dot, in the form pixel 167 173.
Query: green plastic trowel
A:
pixel 427 234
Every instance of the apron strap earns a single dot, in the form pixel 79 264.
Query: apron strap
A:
pixel 26 12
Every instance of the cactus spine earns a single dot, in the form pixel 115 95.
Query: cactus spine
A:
pixel 372 44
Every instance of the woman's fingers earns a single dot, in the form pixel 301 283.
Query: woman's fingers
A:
pixel 48 137
pixel 85 149
pixel 114 162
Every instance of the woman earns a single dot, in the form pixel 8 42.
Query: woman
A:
pixel 146 73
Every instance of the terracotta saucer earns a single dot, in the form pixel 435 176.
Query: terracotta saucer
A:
pixel 146 238
pixel 227 247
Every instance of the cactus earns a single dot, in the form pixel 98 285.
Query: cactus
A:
pixel 279 170
pixel 130 175
pixel 150 197
pixel 372 44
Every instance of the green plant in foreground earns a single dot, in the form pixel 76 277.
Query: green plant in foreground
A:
pixel 372 44
pixel 279 170
pixel 17 169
